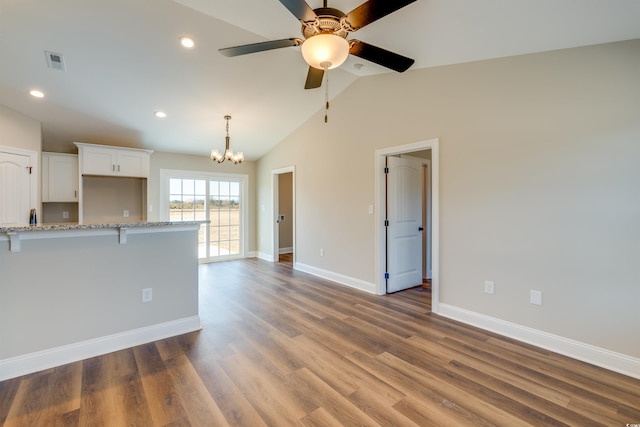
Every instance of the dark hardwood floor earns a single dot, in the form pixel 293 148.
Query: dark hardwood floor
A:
pixel 280 347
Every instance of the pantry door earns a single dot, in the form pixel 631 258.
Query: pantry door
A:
pixel 15 188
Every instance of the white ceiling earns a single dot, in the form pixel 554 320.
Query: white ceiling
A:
pixel 123 61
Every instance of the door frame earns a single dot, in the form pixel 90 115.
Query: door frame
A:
pixel 427 194
pixel 275 211
pixel 34 197
pixel 380 200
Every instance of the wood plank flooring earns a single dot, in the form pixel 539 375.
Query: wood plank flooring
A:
pixel 280 347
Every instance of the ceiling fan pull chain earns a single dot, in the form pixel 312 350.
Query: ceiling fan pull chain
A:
pixel 326 94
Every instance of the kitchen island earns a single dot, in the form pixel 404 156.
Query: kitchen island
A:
pixel 72 291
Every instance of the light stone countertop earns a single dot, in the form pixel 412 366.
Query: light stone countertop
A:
pixel 75 226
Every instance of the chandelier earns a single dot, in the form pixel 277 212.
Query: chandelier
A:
pixel 228 154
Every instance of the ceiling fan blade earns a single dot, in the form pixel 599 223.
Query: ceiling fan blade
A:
pixel 300 10
pixel 373 10
pixel 380 56
pixel 314 78
pixel 259 47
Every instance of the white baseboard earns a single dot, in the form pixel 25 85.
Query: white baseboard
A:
pixel 288 250
pixel 266 257
pixel 252 254
pixel 336 277
pixel 597 356
pixel 45 359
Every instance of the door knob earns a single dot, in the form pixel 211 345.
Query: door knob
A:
pixel 420 229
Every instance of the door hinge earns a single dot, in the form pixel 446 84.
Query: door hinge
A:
pixel 386 170
pixel 386 275
pixel 386 222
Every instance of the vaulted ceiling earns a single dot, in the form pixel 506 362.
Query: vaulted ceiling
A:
pixel 123 61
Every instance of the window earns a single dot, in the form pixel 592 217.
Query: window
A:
pixel 219 198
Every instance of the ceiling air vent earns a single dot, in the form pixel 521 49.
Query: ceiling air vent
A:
pixel 55 60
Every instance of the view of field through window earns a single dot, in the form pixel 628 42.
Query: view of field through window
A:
pixel 215 200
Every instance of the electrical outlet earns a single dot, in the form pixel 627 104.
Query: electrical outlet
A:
pixel 147 295
pixel 535 297
pixel 488 287
pixel 370 209
pixel 65 214
pixel 321 252
pixel 125 213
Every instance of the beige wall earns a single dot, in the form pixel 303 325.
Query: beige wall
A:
pixel 66 290
pixel 25 133
pixel 539 188
pixel 203 163
pixel 104 199
pixel 19 131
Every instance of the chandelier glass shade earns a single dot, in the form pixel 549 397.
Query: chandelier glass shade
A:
pixel 228 154
pixel 325 51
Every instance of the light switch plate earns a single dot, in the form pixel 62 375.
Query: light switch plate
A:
pixel 488 287
pixel 535 297
pixel 147 295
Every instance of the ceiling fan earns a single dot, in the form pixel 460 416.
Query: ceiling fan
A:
pixel 325 30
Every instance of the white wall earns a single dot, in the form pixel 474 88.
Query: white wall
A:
pixel 539 188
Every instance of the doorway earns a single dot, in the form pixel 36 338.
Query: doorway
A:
pixel 408 204
pixel 381 155
pixel 284 215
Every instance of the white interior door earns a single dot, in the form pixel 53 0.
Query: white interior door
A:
pixel 15 186
pixel 404 233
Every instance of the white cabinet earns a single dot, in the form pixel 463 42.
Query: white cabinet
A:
pixel 103 160
pixel 113 183
pixel 59 177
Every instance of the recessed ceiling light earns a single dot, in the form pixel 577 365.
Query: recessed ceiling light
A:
pixel 36 93
pixel 187 42
pixel 160 114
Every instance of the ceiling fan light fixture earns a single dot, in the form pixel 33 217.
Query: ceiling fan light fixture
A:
pixel 325 49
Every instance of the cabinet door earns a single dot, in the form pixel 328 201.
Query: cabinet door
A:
pixel 104 160
pixel 132 163
pixel 98 161
pixel 59 177
pixel 63 178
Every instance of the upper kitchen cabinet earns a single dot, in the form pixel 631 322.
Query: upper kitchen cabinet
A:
pixel 59 177
pixel 104 160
